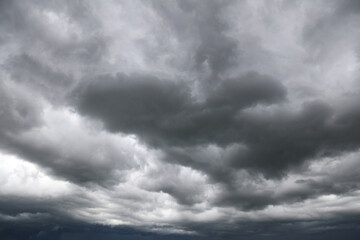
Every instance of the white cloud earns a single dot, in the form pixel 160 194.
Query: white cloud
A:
pixel 22 178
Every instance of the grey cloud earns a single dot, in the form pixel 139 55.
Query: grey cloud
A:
pixel 36 213
pixel 330 29
pixel 18 110
pixel 250 89
pixel 165 115
pixel 21 120
pixel 136 104
pixel 29 26
pixel 104 166
pixel 208 90
pixel 38 72
pixel 277 142
pixel 14 206
pixel 206 27
pixel 283 140
pixel 280 230
pixel 163 112
pixel 72 168
pixel 173 181
pixel 27 70
pixel 348 8
pixel 49 216
pixel 273 146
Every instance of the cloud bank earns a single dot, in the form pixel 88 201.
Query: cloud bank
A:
pixel 179 119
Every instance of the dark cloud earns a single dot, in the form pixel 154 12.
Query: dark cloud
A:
pixel 23 209
pixel 271 145
pixel 348 8
pixel 213 119
pixel 275 143
pixel 164 113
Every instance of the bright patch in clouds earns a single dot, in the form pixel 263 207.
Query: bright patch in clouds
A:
pixel 19 177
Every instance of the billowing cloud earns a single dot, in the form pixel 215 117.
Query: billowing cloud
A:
pixel 179 119
pixel 164 112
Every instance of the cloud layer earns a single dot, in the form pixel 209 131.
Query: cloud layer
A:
pixel 179 118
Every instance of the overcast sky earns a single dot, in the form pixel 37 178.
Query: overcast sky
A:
pixel 179 119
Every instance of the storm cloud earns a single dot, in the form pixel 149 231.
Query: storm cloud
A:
pixel 179 119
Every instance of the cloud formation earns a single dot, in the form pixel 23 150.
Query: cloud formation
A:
pixel 179 119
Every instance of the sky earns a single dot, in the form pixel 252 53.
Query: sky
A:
pixel 165 119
